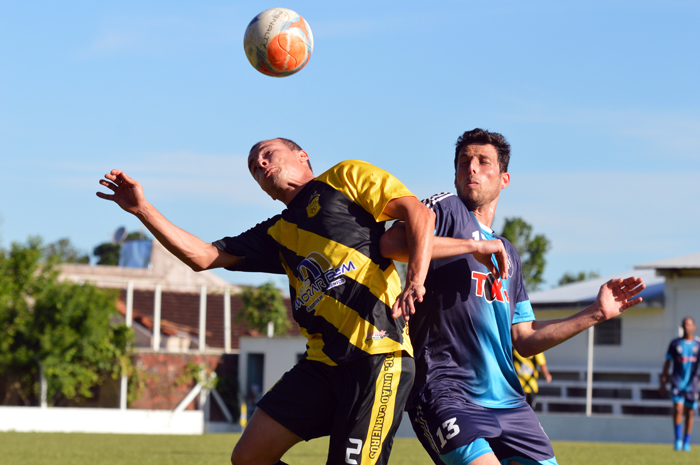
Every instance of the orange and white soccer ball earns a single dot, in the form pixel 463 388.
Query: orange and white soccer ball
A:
pixel 278 42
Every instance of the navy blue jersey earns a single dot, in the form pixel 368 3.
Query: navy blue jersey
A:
pixel 685 363
pixel 461 331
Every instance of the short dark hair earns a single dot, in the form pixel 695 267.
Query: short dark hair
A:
pixel 480 136
pixel 291 145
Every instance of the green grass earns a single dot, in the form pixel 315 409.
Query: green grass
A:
pixel 210 449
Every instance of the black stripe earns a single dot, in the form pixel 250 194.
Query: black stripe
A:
pixel 340 220
pixel 358 297
pixel 336 345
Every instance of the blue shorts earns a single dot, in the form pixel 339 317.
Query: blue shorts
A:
pixel 454 431
pixel 687 398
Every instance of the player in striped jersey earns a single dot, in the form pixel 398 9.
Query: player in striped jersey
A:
pixel 358 369
pixel 683 353
pixel 467 405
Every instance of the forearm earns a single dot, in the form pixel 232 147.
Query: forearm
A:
pixel 394 245
pixel 420 225
pixel 190 249
pixel 664 372
pixel 534 337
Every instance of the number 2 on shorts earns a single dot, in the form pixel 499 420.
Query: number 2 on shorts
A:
pixel 355 451
pixel 452 431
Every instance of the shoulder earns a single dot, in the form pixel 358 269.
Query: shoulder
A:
pixel 442 199
pixel 349 167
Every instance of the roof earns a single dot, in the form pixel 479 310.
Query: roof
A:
pixel 691 261
pixel 584 292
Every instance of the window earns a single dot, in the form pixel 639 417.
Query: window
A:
pixel 608 333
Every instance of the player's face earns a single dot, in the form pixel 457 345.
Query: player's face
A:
pixel 272 165
pixel 688 326
pixel 478 178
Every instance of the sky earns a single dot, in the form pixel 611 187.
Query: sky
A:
pixel 600 101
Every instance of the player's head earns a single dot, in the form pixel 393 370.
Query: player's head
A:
pixel 479 136
pixel 688 325
pixel 279 165
pixel 481 168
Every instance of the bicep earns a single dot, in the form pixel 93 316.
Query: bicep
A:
pixel 223 259
pixel 401 207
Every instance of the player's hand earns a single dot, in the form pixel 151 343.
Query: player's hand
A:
pixel 617 295
pixel 128 193
pixel 404 302
pixel 484 250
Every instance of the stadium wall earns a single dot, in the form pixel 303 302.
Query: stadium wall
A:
pixel 100 420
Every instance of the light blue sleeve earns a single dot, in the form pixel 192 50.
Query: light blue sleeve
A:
pixel 523 312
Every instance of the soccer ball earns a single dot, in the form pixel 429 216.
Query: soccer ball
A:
pixel 278 42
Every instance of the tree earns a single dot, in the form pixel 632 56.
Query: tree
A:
pixel 568 278
pixel 262 305
pixel 62 329
pixel 107 253
pixel 531 250
pixel 65 252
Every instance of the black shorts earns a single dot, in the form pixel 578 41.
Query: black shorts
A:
pixel 359 404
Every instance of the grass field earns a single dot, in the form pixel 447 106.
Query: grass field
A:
pixel 211 449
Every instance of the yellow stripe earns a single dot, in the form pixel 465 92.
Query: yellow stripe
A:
pixel 366 272
pixel 366 185
pixel 383 408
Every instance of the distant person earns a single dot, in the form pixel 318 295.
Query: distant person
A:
pixel 358 369
pixel 528 370
pixel 683 352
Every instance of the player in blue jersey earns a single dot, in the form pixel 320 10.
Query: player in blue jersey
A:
pixel 683 352
pixel 467 405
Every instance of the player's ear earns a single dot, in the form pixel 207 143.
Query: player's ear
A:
pixel 505 180
pixel 303 156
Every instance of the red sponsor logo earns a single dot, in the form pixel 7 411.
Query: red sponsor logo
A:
pixel 489 287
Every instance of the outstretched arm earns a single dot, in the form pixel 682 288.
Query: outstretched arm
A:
pixel 394 245
pixel 194 252
pixel 614 297
pixel 420 224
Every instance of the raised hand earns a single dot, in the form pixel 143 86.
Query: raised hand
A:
pixel 128 193
pixel 617 295
pixel 483 252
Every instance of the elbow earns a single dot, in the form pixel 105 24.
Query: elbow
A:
pixel 522 348
pixel 196 267
pixel 390 244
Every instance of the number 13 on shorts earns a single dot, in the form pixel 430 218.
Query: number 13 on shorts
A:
pixel 451 430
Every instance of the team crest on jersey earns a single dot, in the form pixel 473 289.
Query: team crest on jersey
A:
pixel 510 266
pixel 314 206
pixel 679 349
pixel 316 275
pixel 490 288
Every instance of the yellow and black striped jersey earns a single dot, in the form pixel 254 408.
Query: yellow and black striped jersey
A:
pixel 327 242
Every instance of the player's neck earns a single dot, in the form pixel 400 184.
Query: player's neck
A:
pixel 485 213
pixel 689 337
pixel 294 187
